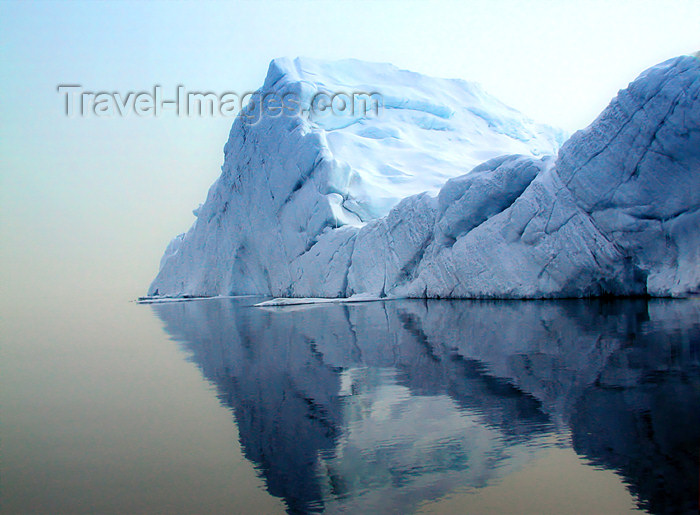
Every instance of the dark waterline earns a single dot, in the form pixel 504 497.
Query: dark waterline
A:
pixel 387 405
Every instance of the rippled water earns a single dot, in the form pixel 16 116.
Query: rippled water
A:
pixel 444 406
pixel 215 406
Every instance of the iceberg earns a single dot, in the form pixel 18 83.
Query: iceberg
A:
pixel 449 193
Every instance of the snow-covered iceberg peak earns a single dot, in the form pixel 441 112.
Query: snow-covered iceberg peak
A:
pixel 296 211
pixel 414 133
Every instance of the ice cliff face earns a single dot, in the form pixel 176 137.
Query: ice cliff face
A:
pixel 301 206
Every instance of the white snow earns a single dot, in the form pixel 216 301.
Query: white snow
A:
pixel 297 301
pixel 166 299
pixel 327 207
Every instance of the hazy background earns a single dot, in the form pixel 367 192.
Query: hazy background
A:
pixel 100 413
pixel 88 204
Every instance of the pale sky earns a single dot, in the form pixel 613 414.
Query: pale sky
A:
pixel 88 205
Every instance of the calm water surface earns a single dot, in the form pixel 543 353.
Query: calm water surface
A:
pixel 385 407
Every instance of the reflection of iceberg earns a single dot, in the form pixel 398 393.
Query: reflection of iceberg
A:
pixel 398 448
pixel 389 404
pixel 642 416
